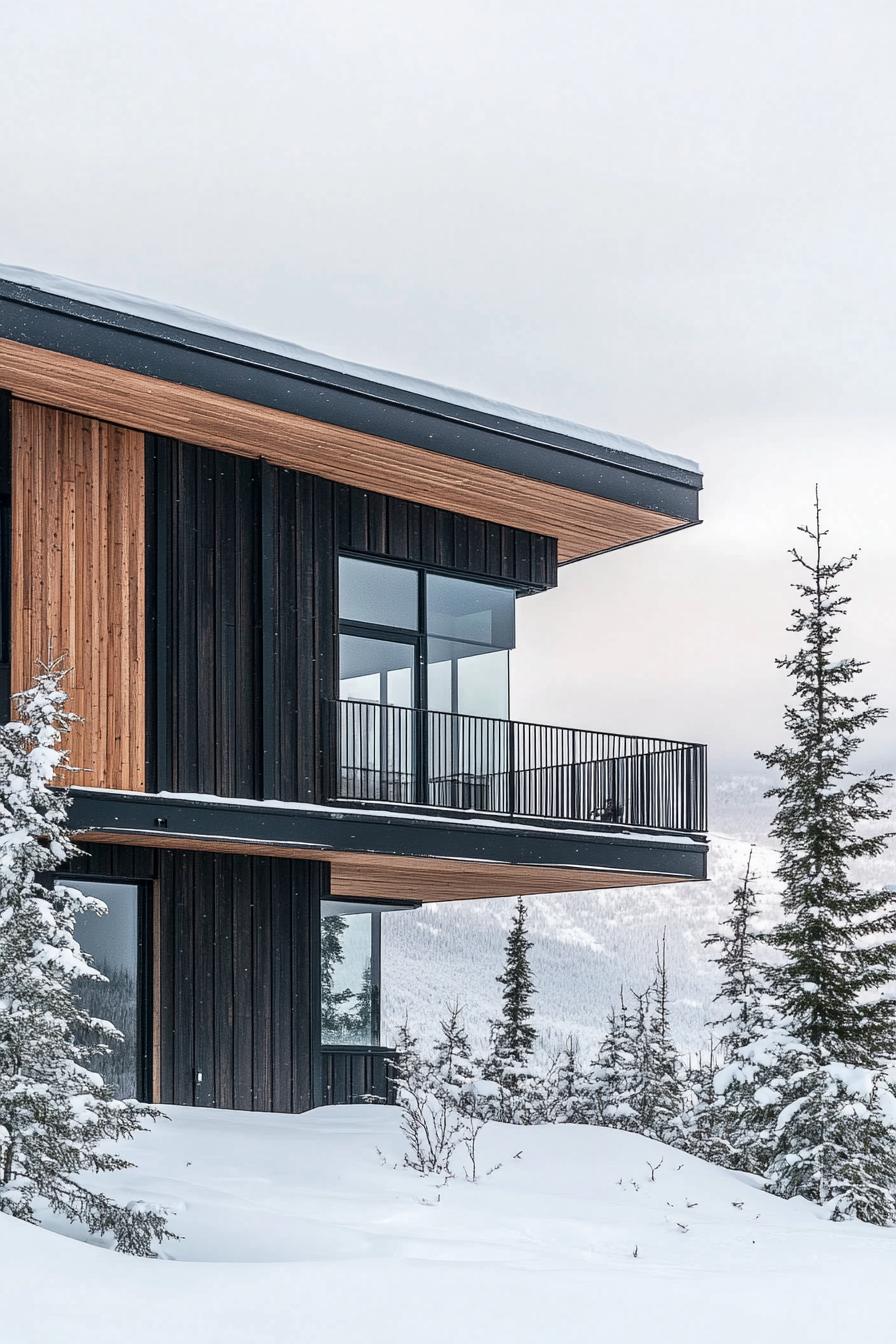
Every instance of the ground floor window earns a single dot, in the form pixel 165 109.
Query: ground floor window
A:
pixel 113 942
pixel 349 973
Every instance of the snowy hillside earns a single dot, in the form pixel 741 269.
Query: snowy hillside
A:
pixel 308 1228
pixel 588 943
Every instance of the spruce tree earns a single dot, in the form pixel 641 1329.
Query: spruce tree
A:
pixel 574 1099
pixel 836 940
pixel 453 1057
pixel 736 1128
pixel 512 1035
pixel 57 1116
pixel 615 1070
pixel 517 1034
pixel 335 1016
pixel 663 1081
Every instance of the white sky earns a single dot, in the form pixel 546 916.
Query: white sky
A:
pixel 672 221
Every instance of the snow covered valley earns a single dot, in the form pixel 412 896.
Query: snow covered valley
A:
pixel 309 1228
pixel 589 943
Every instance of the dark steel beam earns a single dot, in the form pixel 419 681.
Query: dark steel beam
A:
pixel 356 831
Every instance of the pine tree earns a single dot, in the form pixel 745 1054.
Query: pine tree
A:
pixel 361 1020
pixel 836 940
pixel 453 1057
pixel 615 1070
pixel 574 1101
pixel 703 1130
pixel 836 1141
pixel 736 1128
pixel 57 1116
pixel 334 1015
pixel 513 1036
pixel 517 1034
pixel 664 1084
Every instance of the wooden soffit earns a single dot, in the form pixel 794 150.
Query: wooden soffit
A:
pixel 583 524
pixel 394 878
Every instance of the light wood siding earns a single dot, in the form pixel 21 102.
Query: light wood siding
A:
pixel 79 579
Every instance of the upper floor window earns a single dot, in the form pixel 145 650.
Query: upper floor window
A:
pixel 422 640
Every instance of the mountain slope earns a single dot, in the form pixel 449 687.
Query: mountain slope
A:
pixel 587 944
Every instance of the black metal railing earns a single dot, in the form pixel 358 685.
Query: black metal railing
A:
pixel 353 1073
pixel 386 753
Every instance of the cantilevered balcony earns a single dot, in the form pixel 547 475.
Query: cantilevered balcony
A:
pixel 433 759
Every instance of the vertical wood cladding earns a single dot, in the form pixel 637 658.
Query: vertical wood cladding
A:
pixel 236 969
pixel 78 566
pixel 244 573
pixel 375 524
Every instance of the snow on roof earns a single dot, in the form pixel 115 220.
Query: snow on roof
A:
pixel 186 320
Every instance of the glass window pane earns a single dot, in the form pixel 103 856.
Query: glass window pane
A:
pixel 378 594
pixel 349 975
pixel 112 942
pixel 467 679
pixel 466 610
pixel 379 670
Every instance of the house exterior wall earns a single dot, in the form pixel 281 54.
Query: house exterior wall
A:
pixel 231 974
pixel 194 593
pixel 78 579
pixel 244 569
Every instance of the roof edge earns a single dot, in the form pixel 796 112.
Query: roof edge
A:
pixel 213 338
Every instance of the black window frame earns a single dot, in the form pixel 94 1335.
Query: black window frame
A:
pixel 145 964
pixel 421 635
pixel 376 970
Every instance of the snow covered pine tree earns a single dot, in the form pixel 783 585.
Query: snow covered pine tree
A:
pixel 663 1084
pixel 55 1111
pixel 735 1129
pixel 834 1141
pixel 615 1070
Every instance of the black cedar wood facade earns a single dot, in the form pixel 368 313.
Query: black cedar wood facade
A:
pixel 176 511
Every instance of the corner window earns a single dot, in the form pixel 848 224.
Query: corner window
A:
pixel 414 639
pixel 349 973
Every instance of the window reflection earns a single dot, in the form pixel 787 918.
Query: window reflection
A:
pixel 376 594
pixel 470 611
pixel 468 679
pixel 378 670
pixel 111 940
pixel 349 974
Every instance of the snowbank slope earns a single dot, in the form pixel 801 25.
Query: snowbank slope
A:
pixel 308 1228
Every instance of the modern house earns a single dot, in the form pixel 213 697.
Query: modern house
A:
pixel 287 588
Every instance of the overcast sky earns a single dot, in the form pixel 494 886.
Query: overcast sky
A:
pixel 675 221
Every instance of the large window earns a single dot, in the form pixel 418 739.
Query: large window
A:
pixel 413 639
pixel 410 641
pixel 113 943
pixel 349 973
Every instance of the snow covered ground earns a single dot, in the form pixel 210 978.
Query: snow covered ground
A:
pixel 308 1228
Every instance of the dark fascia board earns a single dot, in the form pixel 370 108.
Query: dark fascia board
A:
pixel 346 830
pixel 122 341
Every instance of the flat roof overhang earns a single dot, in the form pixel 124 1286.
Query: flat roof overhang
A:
pixel 397 855
pixel 146 375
